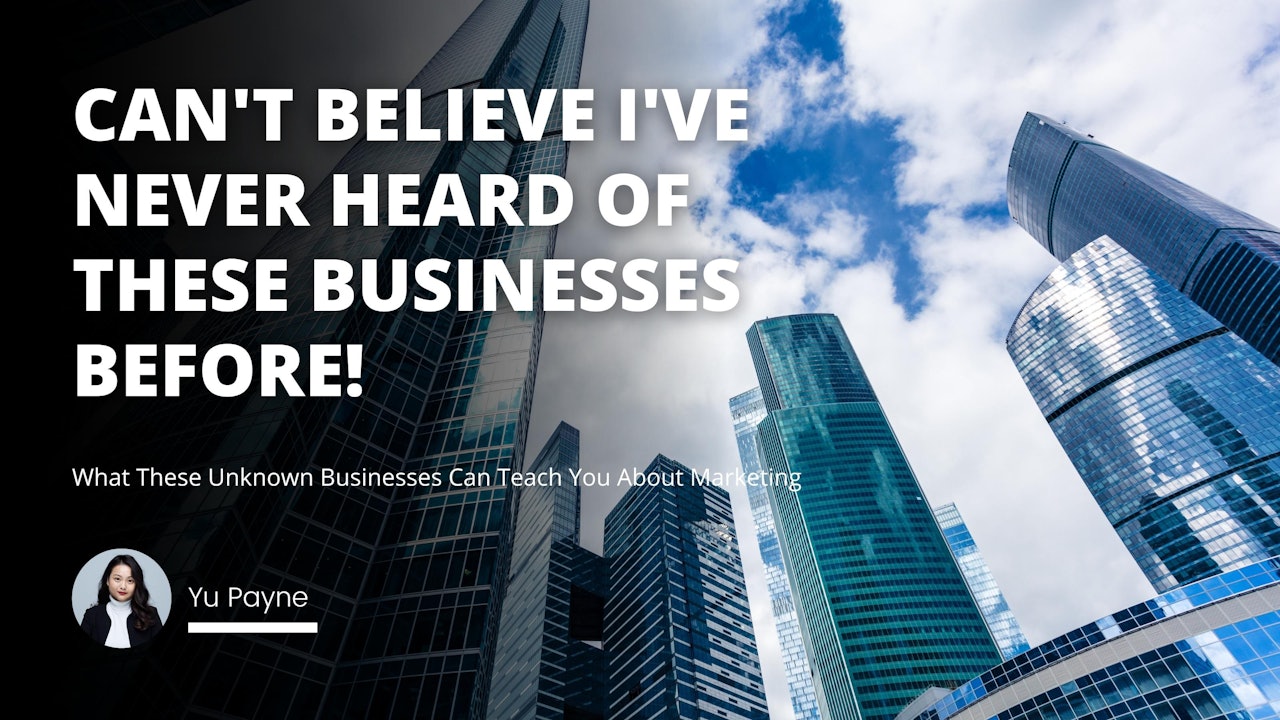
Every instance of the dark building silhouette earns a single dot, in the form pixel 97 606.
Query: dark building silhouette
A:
pixel 659 627
pixel 399 575
pixel 546 660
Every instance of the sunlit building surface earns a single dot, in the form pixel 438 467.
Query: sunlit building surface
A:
pixel 1168 416
pixel 1207 650
pixel 995 609
pixel 748 410
pixel 1067 189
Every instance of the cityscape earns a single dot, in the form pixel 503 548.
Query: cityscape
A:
pixel 843 578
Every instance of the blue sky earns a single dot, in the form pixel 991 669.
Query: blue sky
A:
pixel 873 187
pixel 849 160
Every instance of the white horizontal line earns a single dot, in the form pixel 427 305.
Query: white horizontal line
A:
pixel 251 627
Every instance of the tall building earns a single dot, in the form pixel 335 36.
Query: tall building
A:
pixel 677 623
pixel 884 611
pixel 1067 189
pixel 1000 619
pixel 399 575
pixel 542 664
pixel 657 628
pixel 1168 416
pixel 1206 650
pixel 748 410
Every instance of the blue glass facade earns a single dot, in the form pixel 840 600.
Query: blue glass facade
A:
pixel 399 576
pixel 657 629
pixel 677 623
pixel 1207 650
pixel 1168 416
pixel 883 608
pixel 1001 622
pixel 748 410
pixel 1067 189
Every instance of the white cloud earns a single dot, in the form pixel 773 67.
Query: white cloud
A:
pixel 1188 87
pixel 793 96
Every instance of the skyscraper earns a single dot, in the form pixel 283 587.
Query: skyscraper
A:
pixel 677 623
pixel 658 628
pixel 748 410
pixel 1168 416
pixel 884 610
pixel 398 575
pixel 1067 189
pixel 1001 622
pixel 552 602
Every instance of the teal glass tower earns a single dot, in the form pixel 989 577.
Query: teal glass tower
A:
pixel 883 608
pixel 1169 417
pixel 1067 189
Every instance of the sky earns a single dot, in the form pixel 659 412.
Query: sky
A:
pixel 872 187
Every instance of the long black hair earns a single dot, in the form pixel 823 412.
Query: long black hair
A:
pixel 144 615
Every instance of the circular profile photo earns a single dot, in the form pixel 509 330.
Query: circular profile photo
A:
pixel 121 598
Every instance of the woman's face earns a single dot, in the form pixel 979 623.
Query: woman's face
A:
pixel 120 583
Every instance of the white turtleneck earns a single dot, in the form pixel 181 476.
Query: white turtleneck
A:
pixel 118 611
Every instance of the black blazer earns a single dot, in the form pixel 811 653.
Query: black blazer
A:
pixel 97 623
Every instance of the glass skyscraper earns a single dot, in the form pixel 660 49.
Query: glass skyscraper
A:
pixel 748 410
pixel 883 608
pixel 552 593
pixel 1067 189
pixel 1001 622
pixel 677 624
pixel 1201 652
pixel 1169 417
pixel 659 627
pixel 399 577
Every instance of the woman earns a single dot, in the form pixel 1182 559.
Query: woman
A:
pixel 124 616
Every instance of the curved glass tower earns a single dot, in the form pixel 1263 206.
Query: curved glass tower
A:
pixel 884 610
pixel 1209 650
pixel 1067 189
pixel 1168 416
